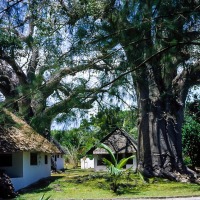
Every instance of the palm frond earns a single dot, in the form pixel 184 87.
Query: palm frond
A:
pixel 107 162
pixel 114 171
pixel 109 150
pixel 124 161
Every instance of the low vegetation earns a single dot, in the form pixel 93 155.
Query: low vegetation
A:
pixel 115 168
pixel 87 184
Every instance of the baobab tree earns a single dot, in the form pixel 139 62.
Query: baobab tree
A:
pixel 159 46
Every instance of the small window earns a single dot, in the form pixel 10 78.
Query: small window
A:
pixel 5 160
pixel 33 159
pixel 55 158
pixel 45 159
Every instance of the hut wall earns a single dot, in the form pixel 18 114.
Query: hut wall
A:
pixel 134 165
pixel 60 161
pixel 15 169
pixel 98 167
pixel 86 163
pixel 33 173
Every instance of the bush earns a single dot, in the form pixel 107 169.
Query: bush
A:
pixel 6 188
pixel 191 140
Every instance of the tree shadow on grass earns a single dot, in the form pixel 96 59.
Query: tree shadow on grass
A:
pixel 40 186
pixel 129 189
pixel 85 177
pixel 102 181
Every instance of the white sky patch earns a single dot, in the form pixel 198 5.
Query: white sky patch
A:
pixel 194 92
pixel 2 98
pixel 71 122
pixel 179 69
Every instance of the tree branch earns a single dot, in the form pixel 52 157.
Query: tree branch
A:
pixel 55 79
pixel 189 77
pixel 72 101
pixel 150 58
pixel 195 74
pixel 143 63
pixel 11 61
pixel 9 7
pixel 5 85
pixel 71 12
pixel 32 66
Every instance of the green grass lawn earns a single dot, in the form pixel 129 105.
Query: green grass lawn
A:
pixel 86 184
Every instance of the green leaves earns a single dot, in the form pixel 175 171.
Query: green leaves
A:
pixel 115 169
pixel 113 159
pixel 191 138
pixel 9 40
pixel 81 32
pixel 123 162
pixel 113 165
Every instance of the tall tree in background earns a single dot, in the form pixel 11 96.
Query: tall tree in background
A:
pixel 157 43
pixel 106 120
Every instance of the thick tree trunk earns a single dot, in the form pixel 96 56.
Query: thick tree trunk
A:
pixel 160 140
pixel 161 93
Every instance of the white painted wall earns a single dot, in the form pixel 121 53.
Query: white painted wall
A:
pixel 60 163
pixel 16 170
pixel 86 163
pixel 98 167
pixel 134 165
pixel 32 173
pixel 18 183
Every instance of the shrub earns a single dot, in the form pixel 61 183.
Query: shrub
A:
pixel 191 140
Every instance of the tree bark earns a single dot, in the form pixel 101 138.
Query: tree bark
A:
pixel 160 147
pixel 161 116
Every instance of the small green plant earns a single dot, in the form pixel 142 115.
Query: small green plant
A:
pixel 115 168
pixel 143 178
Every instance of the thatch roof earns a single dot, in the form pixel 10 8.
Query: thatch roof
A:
pixel 119 141
pixel 21 137
pixel 58 145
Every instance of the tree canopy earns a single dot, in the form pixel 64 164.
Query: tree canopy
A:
pixel 43 72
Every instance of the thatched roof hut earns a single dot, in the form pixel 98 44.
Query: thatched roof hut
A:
pixel 119 141
pixel 19 136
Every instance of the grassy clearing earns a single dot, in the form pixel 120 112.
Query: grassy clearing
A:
pixel 86 184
